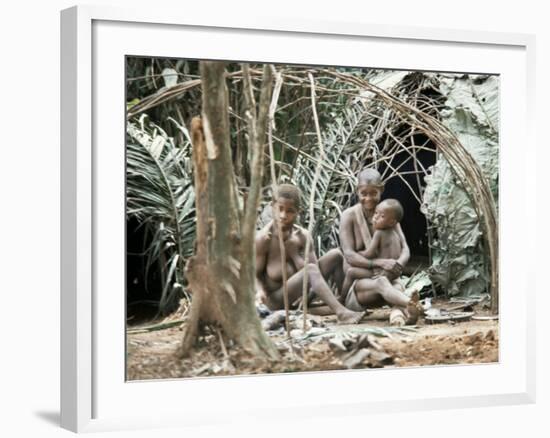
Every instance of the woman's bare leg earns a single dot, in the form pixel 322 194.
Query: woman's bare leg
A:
pixel 353 274
pixel 369 290
pixel 348 281
pixel 322 290
pixel 331 267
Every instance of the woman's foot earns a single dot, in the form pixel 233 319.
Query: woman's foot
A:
pixel 350 317
pixel 414 309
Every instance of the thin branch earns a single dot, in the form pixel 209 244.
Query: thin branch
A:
pixel 270 125
pixel 412 154
pixel 256 136
pixel 310 157
pixel 312 199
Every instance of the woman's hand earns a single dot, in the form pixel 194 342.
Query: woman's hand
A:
pixel 390 265
pixel 261 297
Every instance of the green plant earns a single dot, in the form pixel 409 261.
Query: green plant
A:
pixel 161 197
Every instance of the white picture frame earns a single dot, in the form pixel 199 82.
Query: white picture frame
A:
pixel 93 390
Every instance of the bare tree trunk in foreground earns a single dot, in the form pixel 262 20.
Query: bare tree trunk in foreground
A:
pixel 221 274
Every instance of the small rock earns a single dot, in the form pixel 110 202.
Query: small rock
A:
pixel 274 321
pixel 490 335
pixel 473 339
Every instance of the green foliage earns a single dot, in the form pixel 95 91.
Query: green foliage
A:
pixel 337 181
pixel 460 262
pixel 160 196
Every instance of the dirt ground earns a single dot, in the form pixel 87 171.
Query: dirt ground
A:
pixel 152 354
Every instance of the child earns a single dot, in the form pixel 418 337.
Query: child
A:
pixel 385 243
pixel 269 269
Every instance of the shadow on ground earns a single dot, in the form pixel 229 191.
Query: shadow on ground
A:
pixel 51 417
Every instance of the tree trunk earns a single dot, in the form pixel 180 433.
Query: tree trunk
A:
pixel 221 273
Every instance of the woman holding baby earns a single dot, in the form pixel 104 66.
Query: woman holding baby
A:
pixel 375 252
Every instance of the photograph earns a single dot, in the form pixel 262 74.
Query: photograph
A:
pixel 286 218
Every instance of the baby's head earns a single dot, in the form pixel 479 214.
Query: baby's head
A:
pixel 387 214
pixel 287 204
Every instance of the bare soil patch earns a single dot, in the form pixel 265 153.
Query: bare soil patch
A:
pixel 153 354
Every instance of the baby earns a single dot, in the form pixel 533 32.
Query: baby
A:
pixel 385 243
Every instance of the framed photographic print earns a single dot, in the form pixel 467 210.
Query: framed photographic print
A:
pixel 268 207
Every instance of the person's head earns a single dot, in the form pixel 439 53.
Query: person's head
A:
pixel 287 204
pixel 387 214
pixel 369 188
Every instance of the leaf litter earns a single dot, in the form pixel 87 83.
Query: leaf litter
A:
pixel 324 346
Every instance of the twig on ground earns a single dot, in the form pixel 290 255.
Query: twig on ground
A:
pixel 152 328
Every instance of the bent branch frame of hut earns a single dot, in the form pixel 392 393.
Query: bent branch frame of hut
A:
pixel 461 162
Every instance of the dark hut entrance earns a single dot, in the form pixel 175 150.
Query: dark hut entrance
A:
pixel 408 188
pixel 143 286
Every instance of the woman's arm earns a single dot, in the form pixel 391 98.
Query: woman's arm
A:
pixel 311 257
pixel 374 244
pixel 295 248
pixel 262 246
pixel 347 241
pixel 357 258
pixel 405 255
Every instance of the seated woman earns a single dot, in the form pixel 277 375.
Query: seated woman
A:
pixel 269 270
pixel 356 231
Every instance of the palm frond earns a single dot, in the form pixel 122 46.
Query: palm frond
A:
pixel 337 181
pixel 161 197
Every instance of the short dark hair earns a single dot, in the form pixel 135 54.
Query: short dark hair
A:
pixel 289 191
pixel 370 176
pixel 395 207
